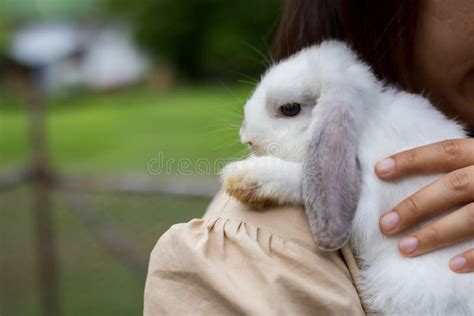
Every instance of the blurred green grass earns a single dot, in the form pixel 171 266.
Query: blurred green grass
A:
pixel 92 282
pixel 122 131
pixel 103 134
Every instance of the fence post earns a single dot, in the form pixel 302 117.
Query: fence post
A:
pixel 41 176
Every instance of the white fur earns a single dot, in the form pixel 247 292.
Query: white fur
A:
pixel 267 177
pixel 390 121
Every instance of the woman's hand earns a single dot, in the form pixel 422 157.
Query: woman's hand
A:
pixel 455 189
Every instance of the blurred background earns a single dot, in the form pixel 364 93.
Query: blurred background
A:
pixel 115 116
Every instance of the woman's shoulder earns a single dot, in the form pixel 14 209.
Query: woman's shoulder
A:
pixel 240 261
pixel 289 223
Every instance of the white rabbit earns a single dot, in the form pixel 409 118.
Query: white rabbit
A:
pixel 317 123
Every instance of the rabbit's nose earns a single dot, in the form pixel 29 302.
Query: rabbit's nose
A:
pixel 245 140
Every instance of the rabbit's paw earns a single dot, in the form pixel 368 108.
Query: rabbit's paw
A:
pixel 247 183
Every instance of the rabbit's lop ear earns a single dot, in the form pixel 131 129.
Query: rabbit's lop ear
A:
pixel 331 174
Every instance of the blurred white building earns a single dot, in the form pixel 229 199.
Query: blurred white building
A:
pixel 65 55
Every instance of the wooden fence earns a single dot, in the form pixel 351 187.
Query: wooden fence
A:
pixel 44 180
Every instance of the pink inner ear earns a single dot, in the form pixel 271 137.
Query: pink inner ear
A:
pixel 331 176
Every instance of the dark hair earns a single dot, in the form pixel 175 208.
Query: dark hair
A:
pixel 381 32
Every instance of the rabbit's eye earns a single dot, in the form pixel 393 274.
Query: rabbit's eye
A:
pixel 290 109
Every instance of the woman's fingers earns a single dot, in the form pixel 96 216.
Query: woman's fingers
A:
pixel 463 263
pixel 455 188
pixel 444 156
pixel 451 229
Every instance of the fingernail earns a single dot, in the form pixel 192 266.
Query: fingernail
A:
pixel 457 263
pixel 386 165
pixel 408 244
pixel 389 221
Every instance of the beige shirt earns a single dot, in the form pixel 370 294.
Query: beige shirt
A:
pixel 237 261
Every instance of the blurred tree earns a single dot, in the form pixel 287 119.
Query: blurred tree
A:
pixel 4 32
pixel 30 10
pixel 204 38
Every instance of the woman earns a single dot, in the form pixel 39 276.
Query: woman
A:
pixel 242 262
